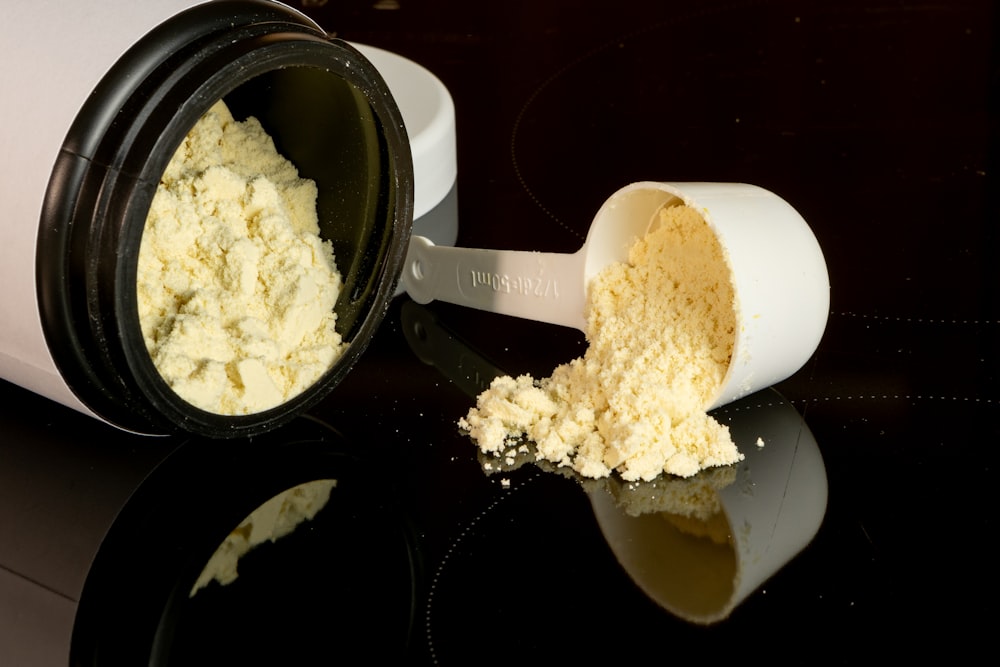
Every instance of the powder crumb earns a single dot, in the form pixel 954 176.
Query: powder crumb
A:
pixel 660 330
pixel 236 288
pixel 760 442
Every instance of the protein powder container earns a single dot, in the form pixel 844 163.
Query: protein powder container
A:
pixel 98 96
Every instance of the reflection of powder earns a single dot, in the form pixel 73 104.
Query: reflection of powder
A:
pixel 696 497
pixel 661 330
pixel 235 287
pixel 276 518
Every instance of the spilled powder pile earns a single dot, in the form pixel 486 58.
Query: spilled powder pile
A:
pixel 235 287
pixel 660 331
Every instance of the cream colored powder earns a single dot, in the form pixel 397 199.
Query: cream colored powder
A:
pixel 660 331
pixel 235 287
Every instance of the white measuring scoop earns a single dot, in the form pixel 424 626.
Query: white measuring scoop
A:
pixel 779 274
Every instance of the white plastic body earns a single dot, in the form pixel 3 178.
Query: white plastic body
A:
pixel 429 116
pixel 46 77
pixel 428 113
pixel 779 274
pixel 543 286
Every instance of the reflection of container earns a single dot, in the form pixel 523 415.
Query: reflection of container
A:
pixel 101 542
pixel 82 164
pixel 771 510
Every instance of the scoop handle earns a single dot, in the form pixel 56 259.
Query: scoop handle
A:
pixel 546 287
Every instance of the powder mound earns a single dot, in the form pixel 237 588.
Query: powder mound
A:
pixel 660 330
pixel 236 288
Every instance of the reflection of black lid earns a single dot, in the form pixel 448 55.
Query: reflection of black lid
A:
pixel 341 583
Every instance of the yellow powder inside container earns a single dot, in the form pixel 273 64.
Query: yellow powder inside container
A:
pixel 660 329
pixel 235 287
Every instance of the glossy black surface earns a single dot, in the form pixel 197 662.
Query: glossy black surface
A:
pixel 878 121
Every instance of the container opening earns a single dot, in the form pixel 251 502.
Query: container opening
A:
pixel 325 126
pixel 270 352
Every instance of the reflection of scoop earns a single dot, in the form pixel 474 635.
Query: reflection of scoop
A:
pixel 772 510
pixel 699 545
pixel 778 272
pixel 435 345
